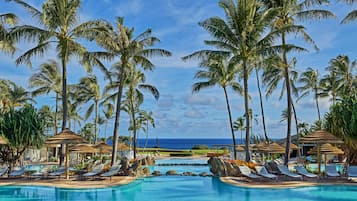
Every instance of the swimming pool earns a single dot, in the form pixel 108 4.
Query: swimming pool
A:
pixel 179 188
pixel 198 165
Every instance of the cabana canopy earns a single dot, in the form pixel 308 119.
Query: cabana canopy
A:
pixel 83 148
pixel 320 137
pixel 326 149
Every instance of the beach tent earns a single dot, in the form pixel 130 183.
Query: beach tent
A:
pixel 66 137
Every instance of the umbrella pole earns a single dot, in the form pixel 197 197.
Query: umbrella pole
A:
pixel 325 162
pixel 67 162
pixel 318 159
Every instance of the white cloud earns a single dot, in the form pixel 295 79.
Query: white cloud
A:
pixel 126 8
pixel 193 113
pixel 200 100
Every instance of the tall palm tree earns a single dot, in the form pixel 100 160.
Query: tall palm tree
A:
pixel 58 25
pixel 6 42
pixel 121 43
pixel 46 80
pixel 88 89
pixel 135 82
pixel 220 71
pixel 261 102
pixel 289 11
pixel 310 81
pixel 242 34
pixel 146 118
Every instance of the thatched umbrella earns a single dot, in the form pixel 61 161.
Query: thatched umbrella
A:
pixel 103 147
pixel 326 149
pixel 66 137
pixel 320 137
pixel 3 140
pixel 123 147
pixel 292 146
pixel 83 149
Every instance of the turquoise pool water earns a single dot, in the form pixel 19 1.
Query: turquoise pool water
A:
pixel 197 169
pixel 313 167
pixel 179 188
pixel 39 167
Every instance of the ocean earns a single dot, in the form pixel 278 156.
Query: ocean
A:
pixel 184 143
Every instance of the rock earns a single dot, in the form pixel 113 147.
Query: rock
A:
pixel 221 168
pixel 187 174
pixel 171 172
pixel 146 171
pixel 204 174
pixel 156 173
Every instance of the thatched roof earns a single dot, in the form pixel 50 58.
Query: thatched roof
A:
pixel 3 140
pixel 320 137
pixel 65 137
pixel 83 148
pixel 123 147
pixel 273 148
pixel 327 149
pixel 292 146
pixel 103 147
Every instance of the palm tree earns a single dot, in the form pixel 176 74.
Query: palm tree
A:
pixel 6 42
pixel 58 21
pixel 342 69
pixel 135 82
pixel 243 34
pixel 145 118
pixel 120 42
pixel 16 95
pixel 238 125
pixel 261 102
pixel 351 16
pixel 46 80
pixel 88 89
pixel 310 80
pixel 217 70
pixel 289 11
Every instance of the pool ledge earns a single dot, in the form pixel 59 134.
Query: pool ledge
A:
pixel 72 183
pixel 242 182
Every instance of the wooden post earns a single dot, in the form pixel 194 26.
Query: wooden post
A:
pixel 318 159
pixel 67 162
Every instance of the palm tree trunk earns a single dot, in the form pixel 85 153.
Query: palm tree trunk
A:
pixel 134 126
pixel 297 128
pixel 117 117
pixel 261 105
pixel 96 122
pixel 246 107
pixel 317 105
pixel 55 117
pixel 230 122
pixel 288 97
pixel 64 99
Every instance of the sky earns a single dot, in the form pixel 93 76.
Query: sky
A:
pixel 179 113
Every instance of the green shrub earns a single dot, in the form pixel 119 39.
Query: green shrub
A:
pixel 200 146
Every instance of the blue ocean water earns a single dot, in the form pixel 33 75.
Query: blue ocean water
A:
pixel 185 143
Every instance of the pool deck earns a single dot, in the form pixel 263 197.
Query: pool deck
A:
pixel 243 182
pixel 71 183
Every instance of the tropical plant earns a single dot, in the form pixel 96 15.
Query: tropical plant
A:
pixel 46 80
pixel 310 81
pixel 87 132
pixel 13 95
pixel 145 119
pixel 6 42
pixel 23 128
pixel 88 89
pixel 121 43
pixel 220 71
pixel 46 112
pixel 58 22
pixel 243 35
pixel 238 125
pixel 289 12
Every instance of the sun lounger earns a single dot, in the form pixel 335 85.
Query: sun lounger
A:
pixel 352 171
pixel 60 171
pixel 285 171
pixel 43 172
pixel 113 171
pixel 18 171
pixel 244 170
pixel 3 171
pixel 262 171
pixel 301 170
pixel 331 171
pixel 96 170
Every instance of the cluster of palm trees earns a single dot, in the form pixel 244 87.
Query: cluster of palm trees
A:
pixel 253 36
pixel 58 28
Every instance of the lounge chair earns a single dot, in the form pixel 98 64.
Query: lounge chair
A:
pixel 113 171
pixel 285 171
pixel 244 170
pixel 331 171
pixel 302 171
pixel 18 171
pixel 96 170
pixel 43 172
pixel 3 170
pixel 352 171
pixel 262 171
pixel 60 171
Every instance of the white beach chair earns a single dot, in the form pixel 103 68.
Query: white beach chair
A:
pixel 3 170
pixel 301 170
pixel 331 171
pixel 244 170
pixel 262 171
pixel 18 171
pixel 96 170
pixel 60 171
pixel 43 172
pixel 285 171
pixel 113 171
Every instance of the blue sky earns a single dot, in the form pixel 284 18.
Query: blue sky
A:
pixel 179 113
